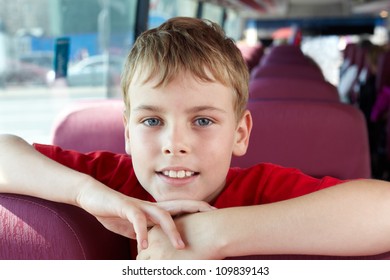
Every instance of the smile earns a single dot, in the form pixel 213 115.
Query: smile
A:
pixel 178 173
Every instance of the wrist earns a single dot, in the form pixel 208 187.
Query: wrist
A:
pixel 83 190
pixel 223 232
pixel 231 229
pixel 205 231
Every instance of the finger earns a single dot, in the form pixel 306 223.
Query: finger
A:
pixel 164 219
pixel 118 226
pixel 139 222
pixel 175 207
pixel 143 256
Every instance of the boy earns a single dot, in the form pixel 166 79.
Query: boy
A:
pixel 185 88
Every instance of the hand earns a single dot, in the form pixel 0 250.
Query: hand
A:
pixel 200 236
pixel 144 215
pixel 132 217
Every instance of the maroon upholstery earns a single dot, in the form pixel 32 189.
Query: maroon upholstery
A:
pixel 91 125
pixel 267 60
pixel 32 228
pixel 285 50
pixel 287 54
pixel 287 70
pixel 292 89
pixel 319 138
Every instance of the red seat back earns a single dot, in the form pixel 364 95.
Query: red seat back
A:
pixel 292 89
pixel 91 126
pixel 287 71
pixel 319 138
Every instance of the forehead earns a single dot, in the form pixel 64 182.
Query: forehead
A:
pixel 185 88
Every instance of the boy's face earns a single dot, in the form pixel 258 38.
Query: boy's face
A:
pixel 181 137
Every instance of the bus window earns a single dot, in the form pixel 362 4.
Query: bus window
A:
pixel 100 33
pixel 161 10
pixel 213 13
pixel 233 25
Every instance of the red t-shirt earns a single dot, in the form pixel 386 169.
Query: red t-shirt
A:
pixel 260 184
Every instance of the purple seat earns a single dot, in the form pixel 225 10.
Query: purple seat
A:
pixel 287 60
pixel 33 228
pixel 285 50
pixel 91 126
pixel 287 54
pixel 298 71
pixel 36 229
pixel 292 89
pixel 319 138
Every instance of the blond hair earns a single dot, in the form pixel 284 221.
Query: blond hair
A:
pixel 188 44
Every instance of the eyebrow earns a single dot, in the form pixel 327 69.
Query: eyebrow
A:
pixel 148 108
pixel 196 109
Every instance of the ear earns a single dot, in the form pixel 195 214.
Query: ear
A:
pixel 243 132
pixel 127 133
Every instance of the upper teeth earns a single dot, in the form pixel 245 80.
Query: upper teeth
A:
pixel 178 174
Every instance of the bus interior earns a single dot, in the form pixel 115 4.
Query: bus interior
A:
pixel 319 88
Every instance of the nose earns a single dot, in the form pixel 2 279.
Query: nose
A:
pixel 176 141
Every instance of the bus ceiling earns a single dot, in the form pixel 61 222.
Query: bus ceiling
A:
pixel 314 17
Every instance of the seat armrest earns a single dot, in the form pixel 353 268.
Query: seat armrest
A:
pixel 33 228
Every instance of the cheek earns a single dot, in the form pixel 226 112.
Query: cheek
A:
pixel 219 142
pixel 142 143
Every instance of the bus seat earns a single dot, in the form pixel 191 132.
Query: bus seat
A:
pixel 91 125
pixel 287 70
pixel 285 50
pixel 287 54
pixel 286 60
pixel 293 89
pixel 319 138
pixel 37 229
pixel 296 60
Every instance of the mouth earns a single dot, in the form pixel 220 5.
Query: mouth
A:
pixel 178 174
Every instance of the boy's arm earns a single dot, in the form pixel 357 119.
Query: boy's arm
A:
pixel 352 218
pixel 25 171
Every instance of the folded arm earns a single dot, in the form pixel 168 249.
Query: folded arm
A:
pixel 352 218
pixel 349 219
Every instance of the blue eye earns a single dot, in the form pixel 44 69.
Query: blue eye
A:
pixel 152 122
pixel 203 122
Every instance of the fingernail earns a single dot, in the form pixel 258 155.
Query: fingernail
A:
pixel 144 244
pixel 180 243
